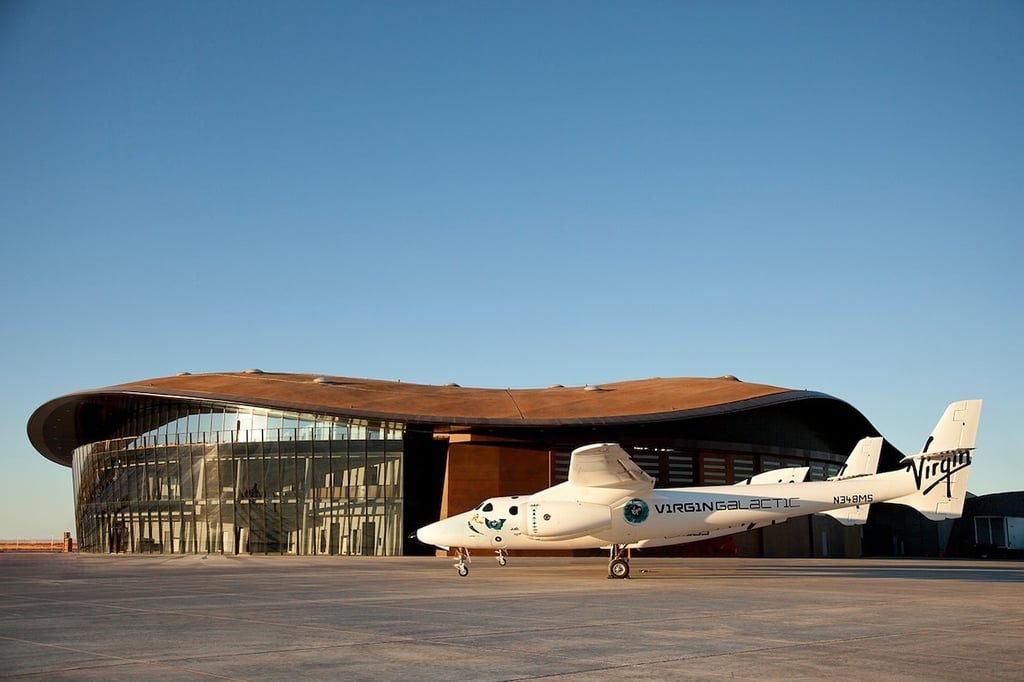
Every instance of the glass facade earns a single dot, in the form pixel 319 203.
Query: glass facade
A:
pixel 193 477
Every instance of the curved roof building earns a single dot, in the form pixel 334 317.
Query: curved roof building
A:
pixel 305 464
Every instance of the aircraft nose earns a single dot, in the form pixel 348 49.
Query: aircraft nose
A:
pixel 430 535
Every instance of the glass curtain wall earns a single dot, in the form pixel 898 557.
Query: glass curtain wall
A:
pixel 204 478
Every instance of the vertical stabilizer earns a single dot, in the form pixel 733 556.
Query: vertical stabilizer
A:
pixel 863 461
pixel 956 430
pixel 941 471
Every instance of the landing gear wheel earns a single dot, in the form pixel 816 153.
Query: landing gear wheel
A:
pixel 618 561
pixel 502 557
pixel 502 561
pixel 618 568
pixel 461 559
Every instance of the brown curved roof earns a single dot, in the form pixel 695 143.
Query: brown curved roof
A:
pixel 54 427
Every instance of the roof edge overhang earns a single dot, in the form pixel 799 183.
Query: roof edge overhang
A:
pixel 53 427
pixel 788 396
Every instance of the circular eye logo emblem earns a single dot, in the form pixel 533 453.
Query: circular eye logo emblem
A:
pixel 636 511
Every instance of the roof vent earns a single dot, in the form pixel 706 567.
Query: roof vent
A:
pixel 452 384
pixel 556 386
pixel 323 380
pixel 253 370
pixel 184 374
pixel 589 387
pixel 729 377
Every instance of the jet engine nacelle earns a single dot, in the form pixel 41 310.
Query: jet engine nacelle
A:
pixel 550 520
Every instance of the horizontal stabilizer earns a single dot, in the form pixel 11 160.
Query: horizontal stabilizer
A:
pixel 923 456
pixel 850 516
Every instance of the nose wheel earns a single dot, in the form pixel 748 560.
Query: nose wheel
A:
pixel 618 562
pixel 502 557
pixel 461 561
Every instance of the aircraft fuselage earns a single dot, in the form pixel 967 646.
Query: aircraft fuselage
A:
pixel 547 520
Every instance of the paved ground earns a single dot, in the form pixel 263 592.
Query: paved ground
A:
pixel 271 618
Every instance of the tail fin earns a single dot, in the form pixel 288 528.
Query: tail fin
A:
pixel 863 461
pixel 956 430
pixel 940 472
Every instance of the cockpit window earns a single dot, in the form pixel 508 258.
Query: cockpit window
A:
pixel 487 507
pixel 513 510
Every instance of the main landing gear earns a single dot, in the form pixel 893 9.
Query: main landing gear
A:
pixel 618 562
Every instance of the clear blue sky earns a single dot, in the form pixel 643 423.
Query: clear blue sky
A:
pixel 819 195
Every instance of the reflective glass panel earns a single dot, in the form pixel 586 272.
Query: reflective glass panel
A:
pixel 198 477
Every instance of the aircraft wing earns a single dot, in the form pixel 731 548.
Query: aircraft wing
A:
pixel 606 465
pixel 786 475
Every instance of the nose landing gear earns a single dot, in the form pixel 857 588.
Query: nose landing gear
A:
pixel 461 561
pixel 502 557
